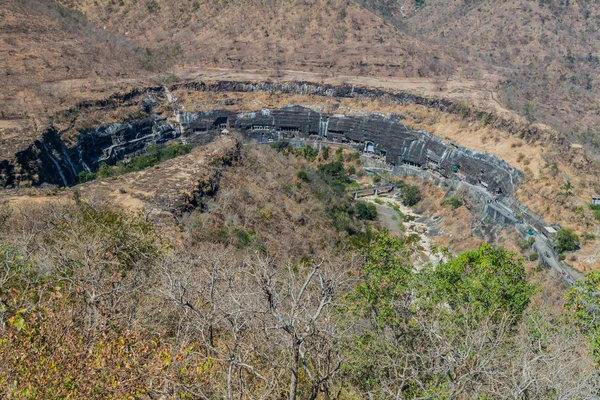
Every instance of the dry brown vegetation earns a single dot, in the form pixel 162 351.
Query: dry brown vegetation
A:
pixel 315 35
pixel 252 294
pixel 545 50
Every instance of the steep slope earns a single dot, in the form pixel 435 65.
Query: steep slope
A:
pixel 547 52
pixel 49 57
pixel 42 41
pixel 316 35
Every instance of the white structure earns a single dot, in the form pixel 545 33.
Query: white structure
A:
pixel 549 232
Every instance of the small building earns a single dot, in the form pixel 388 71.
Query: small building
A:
pixel 596 199
pixel 549 232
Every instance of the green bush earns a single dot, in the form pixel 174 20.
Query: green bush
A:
pixel 534 257
pixel 566 240
pixel 595 210
pixel 310 153
pixel 411 195
pixel 366 210
pixel 303 176
pixel 524 245
pixel 453 202
pixel 85 176
pixel 152 5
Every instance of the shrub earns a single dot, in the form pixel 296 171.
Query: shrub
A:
pixel 534 257
pixel 85 176
pixel 524 245
pixel 595 210
pixel 566 240
pixel 310 153
pixel 302 175
pixel 411 195
pixel 453 202
pixel 152 5
pixel 366 210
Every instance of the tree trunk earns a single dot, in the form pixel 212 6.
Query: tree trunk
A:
pixel 229 382
pixel 294 368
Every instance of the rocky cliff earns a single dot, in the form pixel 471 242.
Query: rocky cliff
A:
pixel 51 160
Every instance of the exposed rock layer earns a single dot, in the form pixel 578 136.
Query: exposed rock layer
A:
pixel 50 160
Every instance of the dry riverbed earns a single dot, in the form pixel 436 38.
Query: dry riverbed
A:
pixel 401 220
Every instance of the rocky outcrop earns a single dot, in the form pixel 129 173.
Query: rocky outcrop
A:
pixel 384 136
pixel 50 160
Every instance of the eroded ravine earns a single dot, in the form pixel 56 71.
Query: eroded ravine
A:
pixel 489 180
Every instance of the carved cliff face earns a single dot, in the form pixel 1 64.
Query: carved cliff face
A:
pixel 51 160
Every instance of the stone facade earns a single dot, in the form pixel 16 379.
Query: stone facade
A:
pixel 53 161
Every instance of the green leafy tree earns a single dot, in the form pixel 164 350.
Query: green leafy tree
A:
pixel 583 301
pixel 566 240
pixel 384 279
pixel 411 195
pixel 379 302
pixel 488 280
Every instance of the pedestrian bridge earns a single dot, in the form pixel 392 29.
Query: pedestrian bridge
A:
pixel 373 190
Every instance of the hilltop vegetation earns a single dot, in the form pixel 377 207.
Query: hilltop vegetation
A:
pixel 261 293
pixel 546 52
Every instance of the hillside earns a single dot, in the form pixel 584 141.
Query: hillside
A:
pixel 277 281
pixel 546 51
pixel 299 199
pixel 329 36
pixel 44 42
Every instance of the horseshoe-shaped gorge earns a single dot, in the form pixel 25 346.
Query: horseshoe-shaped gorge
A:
pixel 384 139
